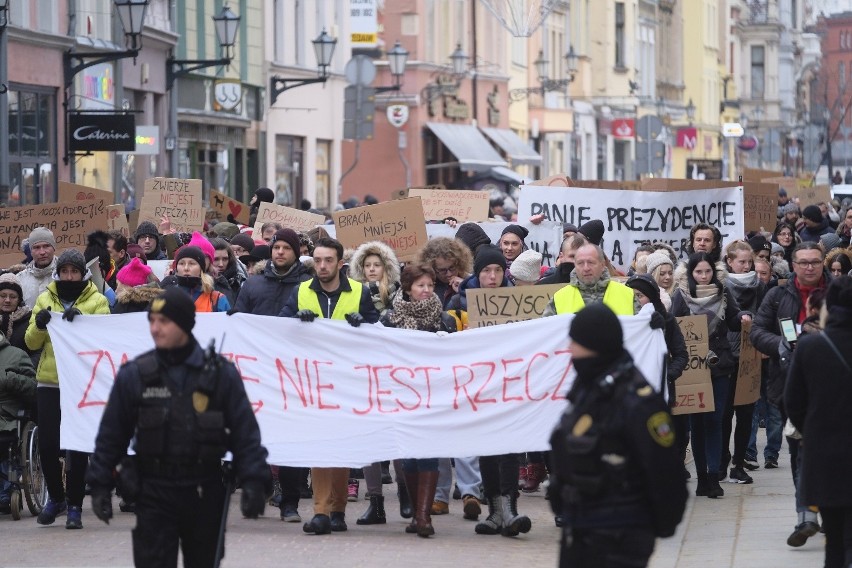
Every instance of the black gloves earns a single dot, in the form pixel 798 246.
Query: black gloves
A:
pixel 657 320
pixel 42 318
pixel 355 319
pixel 253 500
pixel 102 502
pixel 70 313
pixel 306 315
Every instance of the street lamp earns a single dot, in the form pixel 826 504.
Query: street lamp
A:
pixel 226 24
pixel 690 111
pixel 459 61
pixel 4 14
pixel 542 67
pixel 324 46
pixel 397 60
pixel 448 85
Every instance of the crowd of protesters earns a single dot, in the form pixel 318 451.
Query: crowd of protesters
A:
pixel 798 271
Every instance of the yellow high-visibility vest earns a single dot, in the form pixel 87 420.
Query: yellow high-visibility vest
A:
pixel 348 302
pixel 618 298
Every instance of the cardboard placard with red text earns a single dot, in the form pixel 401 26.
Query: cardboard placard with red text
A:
pixel 400 224
pixel 462 205
pixel 760 202
pixel 177 199
pixel 75 192
pixel 224 206
pixel 117 220
pixel 748 374
pixel 287 217
pixel 694 388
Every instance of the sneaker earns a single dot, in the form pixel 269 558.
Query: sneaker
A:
pixel 440 508
pixel 352 492
pixel 751 464
pixel 290 513
pixel 75 518
pixel 802 533
pixel 770 463
pixel 738 475
pixel 126 506
pixel 50 512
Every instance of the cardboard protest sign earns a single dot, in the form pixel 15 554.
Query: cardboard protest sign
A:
pixel 494 306
pixel 694 388
pixel 69 221
pixel 788 184
pixel 177 199
pixel 760 202
pixel 287 217
pixel 748 374
pixel 224 206
pixel 668 184
pixel 553 181
pixel 463 205
pixel 133 221
pixel 399 224
pixel 117 220
pixel 814 195
pixel 754 174
pixel 632 218
pixel 74 192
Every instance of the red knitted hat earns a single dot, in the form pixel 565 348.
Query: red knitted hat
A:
pixel 134 274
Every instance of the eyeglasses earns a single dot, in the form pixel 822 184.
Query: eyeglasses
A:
pixel 4 297
pixel 785 234
pixel 808 263
pixel 449 270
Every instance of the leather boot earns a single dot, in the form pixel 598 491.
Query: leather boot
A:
pixel 412 483
pixel 375 513
pixel 536 473
pixel 427 482
pixel 493 523
pixel 338 521
pixel 405 510
pixel 703 487
pixel 513 523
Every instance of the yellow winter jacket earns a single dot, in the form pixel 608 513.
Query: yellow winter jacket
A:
pixel 89 302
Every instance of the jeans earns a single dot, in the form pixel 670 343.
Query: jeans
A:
pixel 774 428
pixel 707 429
pixel 467 478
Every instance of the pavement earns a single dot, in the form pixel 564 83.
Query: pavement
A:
pixel 747 528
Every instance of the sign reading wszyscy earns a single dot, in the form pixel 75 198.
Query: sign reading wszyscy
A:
pixel 364 23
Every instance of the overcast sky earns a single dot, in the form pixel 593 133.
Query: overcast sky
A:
pixel 831 6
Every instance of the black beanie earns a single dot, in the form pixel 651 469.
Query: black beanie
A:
pixel 812 213
pixel 488 254
pixel 593 230
pixel 521 232
pixel 146 228
pixel 649 287
pixel 289 236
pixel 243 240
pixel 473 236
pixel 264 195
pixel 596 327
pixel 192 252
pixel 759 243
pixel 176 305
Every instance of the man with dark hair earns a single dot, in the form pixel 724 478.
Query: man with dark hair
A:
pixel 183 410
pixel 815 225
pixel 148 237
pixel 330 294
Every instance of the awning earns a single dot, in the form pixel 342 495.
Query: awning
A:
pixel 472 151
pixel 510 176
pixel 518 151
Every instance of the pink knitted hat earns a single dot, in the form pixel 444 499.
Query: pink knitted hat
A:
pixel 134 274
pixel 198 240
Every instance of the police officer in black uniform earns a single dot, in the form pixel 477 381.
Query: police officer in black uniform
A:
pixel 184 408
pixel 618 480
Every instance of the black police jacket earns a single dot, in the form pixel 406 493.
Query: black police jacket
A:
pixel 614 455
pixel 121 420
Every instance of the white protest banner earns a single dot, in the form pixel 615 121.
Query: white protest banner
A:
pixel 633 217
pixel 326 394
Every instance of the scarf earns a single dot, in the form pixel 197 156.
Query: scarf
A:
pixel 6 320
pixel 422 315
pixel 709 301
pixel 69 291
pixel 744 289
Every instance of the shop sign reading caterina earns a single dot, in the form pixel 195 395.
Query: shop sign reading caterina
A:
pixel 101 132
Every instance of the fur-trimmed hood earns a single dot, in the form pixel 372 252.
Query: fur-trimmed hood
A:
pixel 138 294
pixel 380 249
pixel 680 280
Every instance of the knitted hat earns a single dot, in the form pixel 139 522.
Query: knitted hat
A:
pixel 593 230
pixel 41 235
pixel 566 227
pixel 9 281
pixel 649 287
pixel 829 241
pixel 527 267
pixel 812 213
pixel 521 232
pixel 791 208
pixel 759 243
pixel 487 255
pixel 289 236
pixel 777 249
pixel 193 252
pixel 782 192
pixel 243 240
pixel 136 251
pixel 655 259
pixel 473 236
pixel 73 257
pixel 596 327
pixel 264 195
pixel 260 252
pixel 134 273
pixel 176 305
pixel 225 230
pixel 198 240
pixel 146 228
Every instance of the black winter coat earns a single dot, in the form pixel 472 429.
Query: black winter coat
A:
pixel 678 355
pixel 817 397
pixel 265 294
pixel 779 302
pixel 560 275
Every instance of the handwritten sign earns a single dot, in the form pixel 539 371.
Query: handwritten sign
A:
pixel 754 174
pixel 177 199
pixel 69 221
pixel 287 217
pixel 694 388
pixel 224 206
pixel 748 374
pixel 399 224
pixel 814 195
pixel 74 192
pixel 760 202
pixel 438 204
pixel 494 306
pixel 117 220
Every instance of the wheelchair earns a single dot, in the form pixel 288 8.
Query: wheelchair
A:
pixel 20 448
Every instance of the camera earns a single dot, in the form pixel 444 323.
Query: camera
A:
pixel 712 359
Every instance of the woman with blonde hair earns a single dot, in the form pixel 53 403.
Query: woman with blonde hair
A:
pixel 375 264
